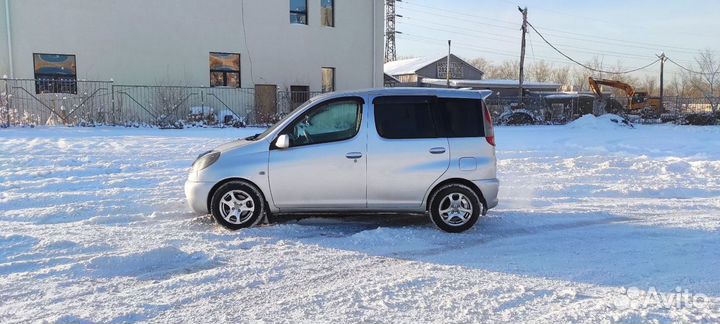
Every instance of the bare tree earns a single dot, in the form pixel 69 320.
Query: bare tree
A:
pixel 508 70
pixel 580 79
pixel 622 77
pixel 541 71
pixel 678 86
pixel 650 85
pixel 708 80
pixel 481 64
pixel 561 75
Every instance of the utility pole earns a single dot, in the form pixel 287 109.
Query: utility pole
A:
pixel 522 56
pixel 663 58
pixel 390 32
pixel 447 71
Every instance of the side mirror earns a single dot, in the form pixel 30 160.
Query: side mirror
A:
pixel 283 141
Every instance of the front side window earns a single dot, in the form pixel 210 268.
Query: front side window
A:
pixel 459 117
pixel 224 70
pixel 327 14
pixel 55 73
pixel 404 117
pixel 332 122
pixel 328 79
pixel 298 12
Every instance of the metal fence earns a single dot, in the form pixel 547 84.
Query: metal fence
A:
pixel 79 103
pixel 561 109
pixel 28 102
pixel 680 105
pixel 537 109
pixel 170 105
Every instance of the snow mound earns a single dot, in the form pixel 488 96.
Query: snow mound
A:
pixel 607 121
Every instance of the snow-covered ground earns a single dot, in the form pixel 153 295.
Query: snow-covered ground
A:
pixel 597 223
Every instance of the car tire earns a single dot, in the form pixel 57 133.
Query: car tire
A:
pixel 237 205
pixel 455 208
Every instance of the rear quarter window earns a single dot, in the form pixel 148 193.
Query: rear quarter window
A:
pixel 459 117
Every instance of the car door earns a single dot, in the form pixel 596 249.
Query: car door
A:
pixel 405 156
pixel 324 167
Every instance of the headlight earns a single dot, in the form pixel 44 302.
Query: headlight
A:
pixel 205 160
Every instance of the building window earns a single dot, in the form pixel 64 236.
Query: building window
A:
pixel 328 79
pixel 298 95
pixel 327 13
pixel 298 12
pixel 55 73
pixel 224 70
pixel 456 70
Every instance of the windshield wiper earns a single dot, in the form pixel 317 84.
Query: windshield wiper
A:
pixel 252 138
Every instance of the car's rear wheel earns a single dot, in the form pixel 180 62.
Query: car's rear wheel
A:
pixel 237 205
pixel 455 208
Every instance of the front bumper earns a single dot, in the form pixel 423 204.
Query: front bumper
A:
pixel 197 194
pixel 489 189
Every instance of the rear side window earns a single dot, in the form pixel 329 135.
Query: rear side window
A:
pixel 404 117
pixel 459 117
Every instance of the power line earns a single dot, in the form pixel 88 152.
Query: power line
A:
pixel 474 21
pixel 592 38
pixel 424 40
pixel 554 47
pixel 564 14
pixel 585 66
pixel 418 38
pixel 532 48
pixel 506 40
pixel 689 70
pixel 507 22
pixel 242 10
pixel 614 24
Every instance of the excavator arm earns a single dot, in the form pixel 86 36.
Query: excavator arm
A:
pixel 628 89
pixel 595 86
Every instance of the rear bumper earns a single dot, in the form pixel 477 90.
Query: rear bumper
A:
pixel 197 195
pixel 489 188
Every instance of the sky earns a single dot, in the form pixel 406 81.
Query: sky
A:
pixel 628 33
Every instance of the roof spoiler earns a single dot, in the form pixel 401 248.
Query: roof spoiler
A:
pixel 484 94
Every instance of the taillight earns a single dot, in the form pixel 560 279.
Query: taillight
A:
pixel 489 130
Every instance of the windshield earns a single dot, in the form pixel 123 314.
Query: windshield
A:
pixel 276 125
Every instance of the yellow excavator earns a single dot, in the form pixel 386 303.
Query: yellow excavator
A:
pixel 637 100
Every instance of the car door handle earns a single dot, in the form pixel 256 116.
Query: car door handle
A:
pixel 437 150
pixel 353 155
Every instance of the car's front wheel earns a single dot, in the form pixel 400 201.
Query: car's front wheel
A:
pixel 237 205
pixel 455 208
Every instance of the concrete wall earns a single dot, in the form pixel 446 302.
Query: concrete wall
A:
pixel 168 41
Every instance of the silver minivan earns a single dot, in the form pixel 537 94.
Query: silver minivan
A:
pixel 395 150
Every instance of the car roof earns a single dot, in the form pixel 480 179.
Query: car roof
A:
pixel 437 92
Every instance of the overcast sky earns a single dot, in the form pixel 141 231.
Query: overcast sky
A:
pixel 630 32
